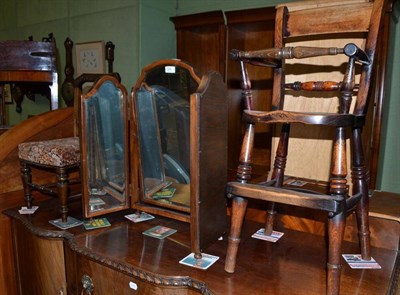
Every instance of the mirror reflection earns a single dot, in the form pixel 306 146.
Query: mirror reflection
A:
pixel 105 148
pixel 163 119
pixel 150 149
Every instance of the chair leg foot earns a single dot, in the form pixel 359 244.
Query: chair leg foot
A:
pixel 269 223
pixel 363 227
pixel 230 261
pixel 336 227
pixel 365 245
pixel 26 181
pixel 238 211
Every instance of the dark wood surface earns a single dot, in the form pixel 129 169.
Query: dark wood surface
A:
pixel 8 281
pixel 386 205
pixel 293 265
pixel 205 32
pixel 208 149
pixel 39 262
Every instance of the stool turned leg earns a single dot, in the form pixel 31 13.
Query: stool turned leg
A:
pixel 26 181
pixel 62 188
pixel 238 210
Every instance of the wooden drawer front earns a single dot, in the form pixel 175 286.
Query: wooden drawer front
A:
pixel 109 281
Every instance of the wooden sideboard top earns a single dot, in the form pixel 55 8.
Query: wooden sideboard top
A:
pixel 293 265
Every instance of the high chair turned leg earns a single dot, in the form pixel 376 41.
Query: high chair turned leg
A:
pixel 239 204
pixel 62 188
pixel 337 221
pixel 336 227
pixel 278 174
pixel 238 211
pixel 363 227
pixel 360 185
pixel 26 181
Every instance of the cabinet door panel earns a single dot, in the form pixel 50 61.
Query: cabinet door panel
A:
pixel 40 263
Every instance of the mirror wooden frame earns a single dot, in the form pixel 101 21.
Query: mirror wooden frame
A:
pixel 84 146
pixel 208 159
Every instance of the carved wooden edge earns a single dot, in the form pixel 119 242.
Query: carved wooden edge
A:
pixel 138 273
pixel 42 233
pixel 150 277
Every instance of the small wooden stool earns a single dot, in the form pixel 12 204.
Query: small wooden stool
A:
pixel 58 155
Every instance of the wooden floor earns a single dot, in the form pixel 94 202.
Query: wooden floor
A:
pixel 296 265
pixel 293 265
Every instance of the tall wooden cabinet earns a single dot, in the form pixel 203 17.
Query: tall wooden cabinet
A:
pixel 201 41
pixel 205 39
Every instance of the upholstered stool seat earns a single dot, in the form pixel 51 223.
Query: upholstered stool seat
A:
pixel 61 155
pixel 57 152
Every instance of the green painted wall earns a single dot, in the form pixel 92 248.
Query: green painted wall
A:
pixel 389 156
pixel 157 34
pixel 196 6
pixel 82 21
pixel 140 29
pixel 142 33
